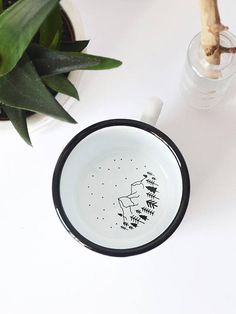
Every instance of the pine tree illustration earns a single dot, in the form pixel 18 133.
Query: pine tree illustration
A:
pixel 134 225
pixel 135 219
pixel 120 214
pixel 151 204
pixel 138 211
pixel 144 217
pixel 151 182
pixel 152 196
pixel 125 223
pixel 151 188
pixel 148 211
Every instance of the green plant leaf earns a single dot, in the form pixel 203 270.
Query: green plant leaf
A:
pixel 18 119
pixel 51 29
pixel 22 88
pixel 1 6
pixel 76 46
pixel 18 25
pixel 52 62
pixel 61 84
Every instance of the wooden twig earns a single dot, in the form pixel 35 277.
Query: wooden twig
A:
pixel 210 30
pixel 227 49
pixel 211 27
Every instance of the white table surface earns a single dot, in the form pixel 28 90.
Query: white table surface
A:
pixel 43 269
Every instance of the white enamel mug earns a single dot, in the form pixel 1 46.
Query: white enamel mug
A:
pixel 121 187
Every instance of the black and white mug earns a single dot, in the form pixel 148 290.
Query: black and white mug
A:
pixel 121 187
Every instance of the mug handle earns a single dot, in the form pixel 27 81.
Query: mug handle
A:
pixel 152 112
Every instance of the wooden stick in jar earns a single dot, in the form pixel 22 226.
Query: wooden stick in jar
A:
pixel 211 27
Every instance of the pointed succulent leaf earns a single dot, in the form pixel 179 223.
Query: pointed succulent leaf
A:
pixel 76 46
pixel 22 88
pixel 51 62
pixel 18 25
pixel 61 84
pixel 18 119
pixel 51 29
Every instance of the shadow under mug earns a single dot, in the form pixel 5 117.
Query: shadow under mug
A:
pixel 121 187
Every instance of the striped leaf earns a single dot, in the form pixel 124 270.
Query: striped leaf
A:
pixel 22 88
pixel 75 46
pixel 18 25
pixel 18 119
pixel 51 62
pixel 51 29
pixel 61 84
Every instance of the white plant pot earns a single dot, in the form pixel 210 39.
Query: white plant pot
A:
pixel 38 122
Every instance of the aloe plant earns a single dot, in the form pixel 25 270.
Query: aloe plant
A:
pixel 34 62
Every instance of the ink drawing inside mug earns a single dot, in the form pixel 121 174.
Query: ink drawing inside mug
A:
pixel 121 187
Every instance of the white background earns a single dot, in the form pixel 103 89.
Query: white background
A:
pixel 43 270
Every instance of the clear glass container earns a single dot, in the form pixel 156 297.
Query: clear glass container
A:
pixel 204 85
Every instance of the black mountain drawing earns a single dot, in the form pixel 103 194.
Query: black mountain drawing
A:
pixel 140 204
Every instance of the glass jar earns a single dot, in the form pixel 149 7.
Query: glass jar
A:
pixel 204 84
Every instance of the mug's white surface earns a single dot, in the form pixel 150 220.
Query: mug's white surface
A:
pixel 97 182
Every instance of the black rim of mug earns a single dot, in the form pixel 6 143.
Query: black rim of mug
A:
pixel 106 250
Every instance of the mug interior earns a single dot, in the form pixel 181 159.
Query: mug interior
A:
pixel 120 186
